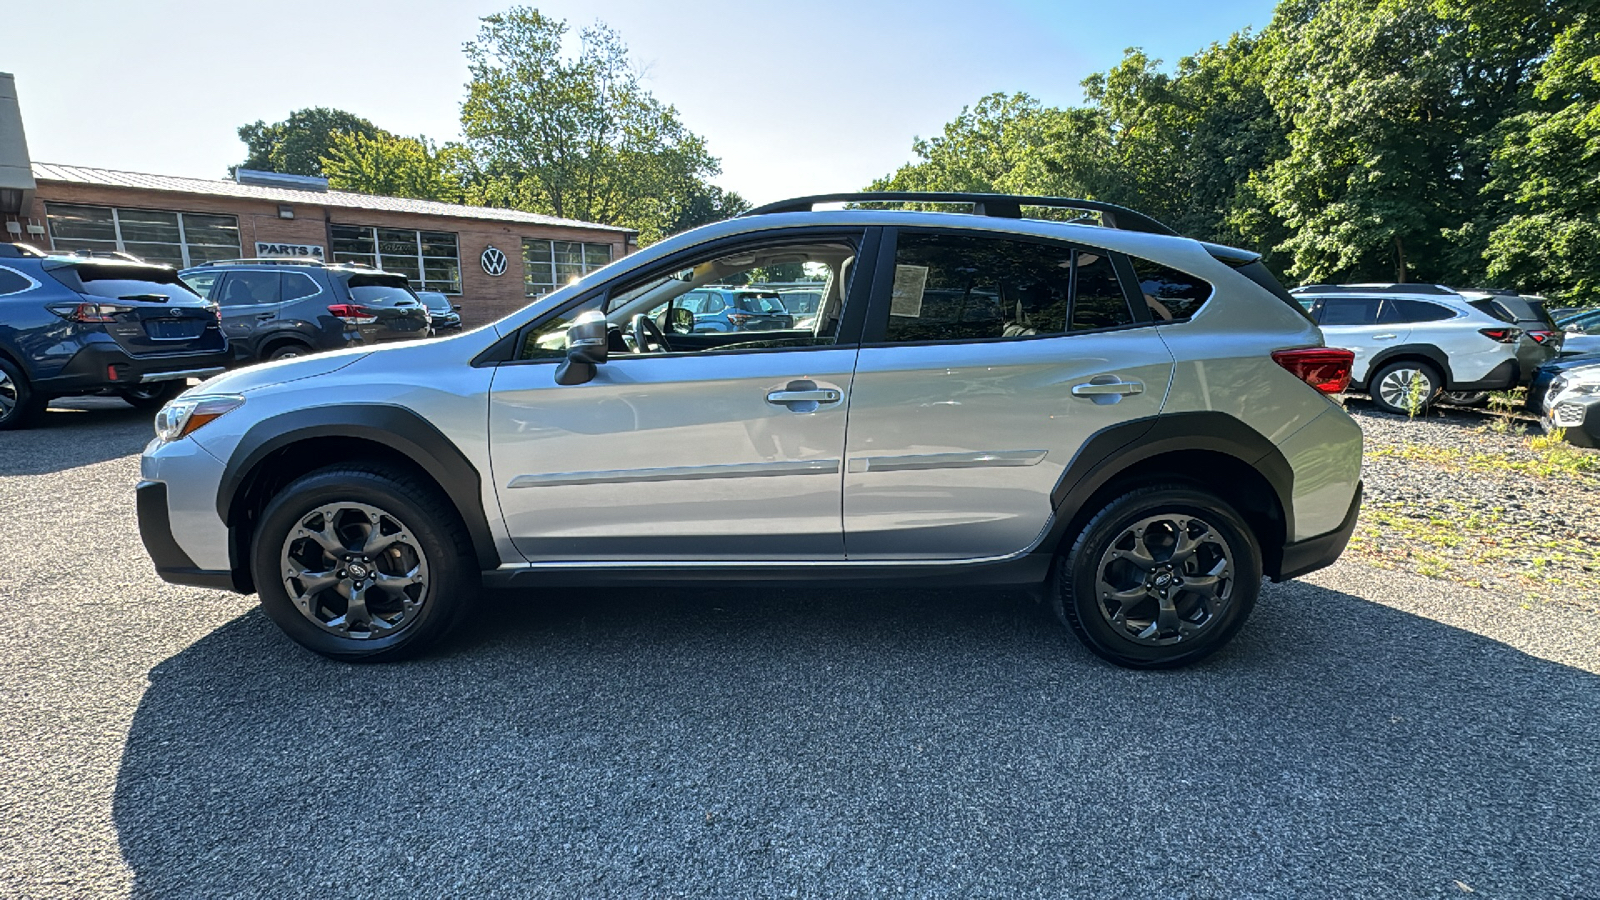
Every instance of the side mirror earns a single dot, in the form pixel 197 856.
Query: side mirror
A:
pixel 586 348
pixel 681 321
pixel 457 307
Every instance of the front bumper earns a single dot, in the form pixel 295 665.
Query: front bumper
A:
pixel 172 563
pixel 92 368
pixel 1321 551
pixel 1578 419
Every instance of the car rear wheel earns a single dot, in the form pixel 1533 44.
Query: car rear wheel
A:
pixel 287 351
pixel 1465 398
pixel 1161 577
pixel 363 564
pixel 1406 387
pixel 152 396
pixel 19 405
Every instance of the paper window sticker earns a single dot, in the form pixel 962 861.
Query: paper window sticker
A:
pixel 910 282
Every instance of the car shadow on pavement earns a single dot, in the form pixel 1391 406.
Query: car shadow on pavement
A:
pixel 674 743
pixel 76 431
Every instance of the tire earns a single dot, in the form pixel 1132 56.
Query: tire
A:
pixel 1465 398
pixel 1132 630
pixel 288 350
pixel 20 407
pixel 153 396
pixel 335 507
pixel 1389 388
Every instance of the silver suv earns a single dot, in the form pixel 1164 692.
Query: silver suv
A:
pixel 1133 423
pixel 1416 342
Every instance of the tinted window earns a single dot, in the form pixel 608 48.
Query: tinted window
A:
pixel 116 288
pixel 246 288
pixel 1170 294
pixel 202 282
pixel 1401 310
pixel 761 303
pixel 374 294
pixel 1349 311
pixel 967 287
pixel 12 282
pixel 297 285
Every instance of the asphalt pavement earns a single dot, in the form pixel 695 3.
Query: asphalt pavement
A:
pixel 1369 734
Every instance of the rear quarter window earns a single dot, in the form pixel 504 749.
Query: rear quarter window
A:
pixel 1400 310
pixel 1171 295
pixel 12 282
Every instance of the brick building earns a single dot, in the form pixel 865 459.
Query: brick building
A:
pixel 494 260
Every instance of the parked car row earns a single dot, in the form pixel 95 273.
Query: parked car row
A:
pixel 1415 344
pixel 80 324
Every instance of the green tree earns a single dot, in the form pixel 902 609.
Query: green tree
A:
pixel 393 166
pixel 575 136
pixel 297 145
pixel 1393 107
pixel 1548 167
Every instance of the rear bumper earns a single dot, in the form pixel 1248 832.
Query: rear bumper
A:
pixel 1319 552
pixel 1508 374
pixel 92 369
pixel 155 529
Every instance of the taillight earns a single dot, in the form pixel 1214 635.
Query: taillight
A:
pixel 739 318
pixel 88 312
pixel 1543 337
pixel 351 314
pixel 1325 368
pixel 1501 335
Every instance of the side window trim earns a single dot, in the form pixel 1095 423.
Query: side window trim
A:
pixel 869 240
pixel 876 331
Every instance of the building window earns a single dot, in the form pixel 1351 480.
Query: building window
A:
pixel 430 259
pixel 174 238
pixel 547 265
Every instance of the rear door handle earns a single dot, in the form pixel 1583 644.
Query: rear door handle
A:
pixel 1384 337
pixel 265 316
pixel 1107 388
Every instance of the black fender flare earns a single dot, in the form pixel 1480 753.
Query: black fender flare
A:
pixel 1432 354
pixel 1112 451
pixel 395 427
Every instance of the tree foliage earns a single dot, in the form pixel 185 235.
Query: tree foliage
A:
pixel 394 166
pixel 577 135
pixel 298 144
pixel 1441 140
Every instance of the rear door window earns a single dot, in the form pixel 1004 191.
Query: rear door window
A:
pixel 249 289
pixel 1349 311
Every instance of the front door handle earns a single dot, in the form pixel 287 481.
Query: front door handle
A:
pixel 1384 337
pixel 817 395
pixel 1098 388
pixel 265 316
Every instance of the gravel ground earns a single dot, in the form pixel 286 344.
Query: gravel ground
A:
pixel 1371 733
pixel 1453 499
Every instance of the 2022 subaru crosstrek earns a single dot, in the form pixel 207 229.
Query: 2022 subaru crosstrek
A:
pixel 1135 421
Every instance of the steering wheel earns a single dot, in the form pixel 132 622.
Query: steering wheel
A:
pixel 646 332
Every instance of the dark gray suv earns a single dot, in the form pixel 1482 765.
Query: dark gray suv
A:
pixel 276 309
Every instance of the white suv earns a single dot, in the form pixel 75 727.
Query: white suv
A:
pixel 1134 423
pixel 1413 342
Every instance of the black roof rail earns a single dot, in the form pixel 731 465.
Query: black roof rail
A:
pixel 280 261
pixel 1003 206
pixel 1407 288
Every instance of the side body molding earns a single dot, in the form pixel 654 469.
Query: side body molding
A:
pixel 395 427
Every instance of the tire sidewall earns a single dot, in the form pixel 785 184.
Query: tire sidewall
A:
pixel 1427 369
pixel 447 594
pixel 1077 577
pixel 29 404
pixel 167 391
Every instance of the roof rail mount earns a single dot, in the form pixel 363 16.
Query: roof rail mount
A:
pixel 1406 288
pixel 1002 206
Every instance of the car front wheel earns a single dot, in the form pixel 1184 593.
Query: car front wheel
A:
pixel 363 564
pixel 1161 577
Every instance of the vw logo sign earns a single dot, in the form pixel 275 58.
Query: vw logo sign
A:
pixel 493 261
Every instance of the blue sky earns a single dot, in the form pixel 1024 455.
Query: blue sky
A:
pixel 795 98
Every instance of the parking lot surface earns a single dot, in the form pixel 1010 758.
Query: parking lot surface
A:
pixel 1369 734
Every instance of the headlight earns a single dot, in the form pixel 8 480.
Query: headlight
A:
pixel 1586 387
pixel 185 414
